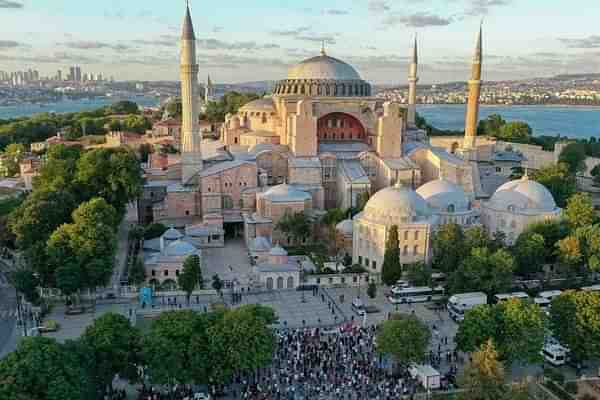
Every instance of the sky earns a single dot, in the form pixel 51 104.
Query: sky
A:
pixel 254 40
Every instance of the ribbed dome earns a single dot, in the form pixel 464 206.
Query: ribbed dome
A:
pixel 323 67
pixel 523 195
pixel 396 205
pixel 444 196
pixel 180 248
pixel 286 193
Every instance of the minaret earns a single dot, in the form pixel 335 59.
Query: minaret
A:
pixel 472 116
pixel 412 86
pixel 208 91
pixel 191 151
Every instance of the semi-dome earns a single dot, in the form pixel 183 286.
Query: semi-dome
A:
pixel 345 227
pixel 395 205
pixel 180 248
pixel 323 67
pixel 286 193
pixel 523 195
pixel 444 196
pixel 172 234
pixel 263 104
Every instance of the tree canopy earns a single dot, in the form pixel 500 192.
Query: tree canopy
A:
pixel 191 276
pixel 573 155
pixel 448 246
pixel 391 270
pixel 558 180
pixel 405 337
pixel 230 103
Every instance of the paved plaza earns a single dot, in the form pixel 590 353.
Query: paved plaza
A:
pixel 228 262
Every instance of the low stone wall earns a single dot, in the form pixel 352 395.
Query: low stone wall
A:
pixel 341 280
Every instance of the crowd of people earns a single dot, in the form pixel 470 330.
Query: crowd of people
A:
pixel 317 364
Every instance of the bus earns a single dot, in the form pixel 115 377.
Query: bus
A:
pixel 543 299
pixel 416 294
pixel 593 288
pixel 459 304
pixel 514 295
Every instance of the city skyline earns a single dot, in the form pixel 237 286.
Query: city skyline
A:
pixel 237 43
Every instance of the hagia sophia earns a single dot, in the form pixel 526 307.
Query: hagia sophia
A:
pixel 318 142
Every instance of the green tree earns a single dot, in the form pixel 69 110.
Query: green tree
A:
pixel 558 180
pixel 478 237
pixel 580 211
pixel 145 150
pixel 391 269
pixel 115 346
pixel 483 270
pixel 57 173
pixel 570 254
pixel 154 230
pixel 25 281
pixel 527 250
pixel 217 283
pixel 483 377
pixel 595 172
pixel 41 369
pixel 372 289
pixel 405 338
pixel 136 123
pixel 419 274
pixel 124 107
pixel 589 242
pixel 191 275
pixel 137 273
pixel 113 174
pixel 448 246
pixel 491 125
pixel 516 131
pixel 13 155
pixel 296 225
pixel 574 156
pixel 516 328
pixel 241 342
pixel 230 103
pixel 575 322
pixel 552 232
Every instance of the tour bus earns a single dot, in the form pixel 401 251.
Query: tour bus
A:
pixel 514 295
pixel 459 304
pixel 543 299
pixel 555 354
pixel 438 279
pixel 416 294
pixel 593 288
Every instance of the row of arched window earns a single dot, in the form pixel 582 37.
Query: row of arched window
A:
pixel 324 89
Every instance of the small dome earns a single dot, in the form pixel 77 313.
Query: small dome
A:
pixel 444 196
pixel 346 227
pixel 395 205
pixel 285 193
pixel 172 234
pixel 278 251
pixel 264 104
pixel 180 248
pixel 523 195
pixel 323 67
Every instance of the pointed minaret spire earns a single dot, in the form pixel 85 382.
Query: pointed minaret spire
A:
pixel 191 150
pixel 412 85
pixel 472 117
pixel 323 53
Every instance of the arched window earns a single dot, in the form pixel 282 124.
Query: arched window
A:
pixel 270 283
pixel 451 208
pixel 264 118
pixel 290 283
pixel 280 283
pixel 405 235
pixel 405 251
pixel 416 250
pixel 416 235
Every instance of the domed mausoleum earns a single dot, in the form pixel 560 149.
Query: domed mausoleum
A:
pixel 516 205
pixel 401 206
pixel 449 201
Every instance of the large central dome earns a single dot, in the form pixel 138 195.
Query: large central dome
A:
pixel 323 76
pixel 323 67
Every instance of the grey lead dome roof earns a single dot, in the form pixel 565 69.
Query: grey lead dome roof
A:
pixel 396 205
pixel 323 67
pixel 524 195
pixel 440 194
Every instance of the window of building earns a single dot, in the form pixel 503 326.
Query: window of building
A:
pixel 360 260
pixel 405 251
pixel 416 235
pixel 187 212
pixel 176 272
pixel 405 235
pixel 416 250
pixel 166 273
pixel 366 262
pixel 153 273
pixel 354 279
pixel 374 264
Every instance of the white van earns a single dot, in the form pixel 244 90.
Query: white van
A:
pixel 459 304
pixel 427 376
pixel 555 354
pixel 543 299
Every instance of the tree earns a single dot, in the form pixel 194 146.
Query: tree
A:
pixel 230 103
pixel 191 275
pixel 57 173
pixel 595 172
pixel 240 342
pixel 362 200
pixel 25 281
pixel 167 347
pixel 124 107
pixel 573 155
pixel 419 274
pixel 589 243
pixel 515 327
pixel 13 155
pixel 575 322
pixel 580 211
pixel 516 131
pixel 145 150
pixel 570 254
pixel 372 289
pixel 113 174
pixel 405 338
pixel 448 246
pixel 41 369
pixel 391 269
pixel 558 180
pixel 136 123
pixel 485 271
pixel 217 283
pixel 478 237
pixel 491 125
pixel 137 273
pixel 295 225
pixel 552 231
pixel 115 346
pixel 527 250
pixel 154 230
pixel 483 377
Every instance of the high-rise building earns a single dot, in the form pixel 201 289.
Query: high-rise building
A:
pixel 59 75
pixel 191 151
pixel 78 74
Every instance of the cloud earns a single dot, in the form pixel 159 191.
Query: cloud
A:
pixel 378 6
pixel 9 44
pixel 483 7
pixel 291 32
pixel 333 11
pixel 162 40
pixel 56 58
pixel 417 20
pixel 590 42
pixel 95 45
pixel 11 4
pixel 217 29
pixel 215 44
pixel 328 39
